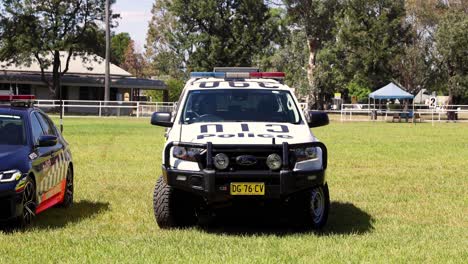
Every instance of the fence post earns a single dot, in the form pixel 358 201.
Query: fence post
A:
pixel 138 110
pixel 100 109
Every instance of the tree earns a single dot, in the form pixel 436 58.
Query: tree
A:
pixel 175 87
pixel 369 35
pixel 452 60
pixel 119 45
pixel 163 53
pixel 40 30
pixel 219 32
pixel 133 62
pixel 316 18
pixel 289 56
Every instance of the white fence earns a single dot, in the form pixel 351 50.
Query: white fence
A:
pixel 365 112
pixel 348 112
pixel 104 108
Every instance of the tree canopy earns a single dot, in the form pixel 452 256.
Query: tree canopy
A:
pixel 324 46
pixel 40 30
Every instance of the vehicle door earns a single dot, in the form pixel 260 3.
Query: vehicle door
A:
pixel 56 171
pixel 40 157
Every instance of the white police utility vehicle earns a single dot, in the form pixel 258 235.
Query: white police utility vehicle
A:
pixel 239 136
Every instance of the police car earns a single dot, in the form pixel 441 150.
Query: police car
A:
pixel 239 135
pixel 36 168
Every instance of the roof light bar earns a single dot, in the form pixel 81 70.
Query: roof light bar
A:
pixel 207 74
pixel 272 75
pixel 238 75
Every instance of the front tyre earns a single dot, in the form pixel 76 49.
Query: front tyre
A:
pixel 319 206
pixel 172 208
pixel 310 208
pixel 28 205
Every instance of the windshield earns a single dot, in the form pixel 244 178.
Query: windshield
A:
pixel 249 105
pixel 12 130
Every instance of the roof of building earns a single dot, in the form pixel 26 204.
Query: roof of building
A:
pixel 82 64
pixel 84 70
pixel 89 81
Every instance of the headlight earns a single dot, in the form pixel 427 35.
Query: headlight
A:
pixel 221 161
pixel 188 154
pixel 274 161
pixel 10 176
pixel 305 153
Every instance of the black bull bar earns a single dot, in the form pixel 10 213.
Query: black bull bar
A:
pixel 210 148
pixel 289 181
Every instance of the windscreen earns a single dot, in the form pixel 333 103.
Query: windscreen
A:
pixel 12 130
pixel 240 105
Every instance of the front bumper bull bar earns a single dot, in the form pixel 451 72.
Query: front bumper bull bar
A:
pixel 213 185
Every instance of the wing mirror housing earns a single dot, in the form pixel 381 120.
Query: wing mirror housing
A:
pixel 162 119
pixel 317 119
pixel 47 141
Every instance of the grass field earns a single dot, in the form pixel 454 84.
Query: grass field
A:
pixel 399 194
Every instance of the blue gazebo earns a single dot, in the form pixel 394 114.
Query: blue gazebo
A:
pixel 390 91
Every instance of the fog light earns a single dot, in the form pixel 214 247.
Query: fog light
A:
pixel 221 161
pixel 274 161
pixel 181 178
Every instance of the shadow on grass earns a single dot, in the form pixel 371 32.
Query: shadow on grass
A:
pixel 344 219
pixel 60 217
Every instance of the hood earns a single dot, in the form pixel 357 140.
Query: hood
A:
pixel 245 133
pixel 14 157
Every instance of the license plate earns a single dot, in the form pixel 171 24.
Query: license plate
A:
pixel 247 188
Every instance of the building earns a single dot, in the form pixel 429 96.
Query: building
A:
pixel 83 81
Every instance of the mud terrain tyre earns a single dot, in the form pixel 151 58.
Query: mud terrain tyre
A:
pixel 172 208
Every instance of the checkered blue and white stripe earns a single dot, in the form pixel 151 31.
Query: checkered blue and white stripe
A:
pixel 56 173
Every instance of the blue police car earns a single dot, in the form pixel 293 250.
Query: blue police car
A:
pixel 36 168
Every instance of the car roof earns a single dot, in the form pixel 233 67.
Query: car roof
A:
pixel 13 110
pixel 269 84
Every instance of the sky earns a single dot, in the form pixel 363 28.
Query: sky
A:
pixel 135 16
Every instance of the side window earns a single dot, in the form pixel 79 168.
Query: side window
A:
pixel 46 124
pixel 36 128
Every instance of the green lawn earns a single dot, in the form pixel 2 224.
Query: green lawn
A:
pixel 399 194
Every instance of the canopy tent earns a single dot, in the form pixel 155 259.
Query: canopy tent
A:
pixel 390 91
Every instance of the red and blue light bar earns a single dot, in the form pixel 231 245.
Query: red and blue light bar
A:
pixel 236 75
pixel 18 100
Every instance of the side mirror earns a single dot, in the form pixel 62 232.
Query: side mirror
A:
pixel 161 119
pixel 317 119
pixel 47 141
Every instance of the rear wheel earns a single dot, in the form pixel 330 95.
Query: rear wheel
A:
pixel 28 205
pixel 172 208
pixel 69 190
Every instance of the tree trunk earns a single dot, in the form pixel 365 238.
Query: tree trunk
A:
pixel 55 89
pixel 312 44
